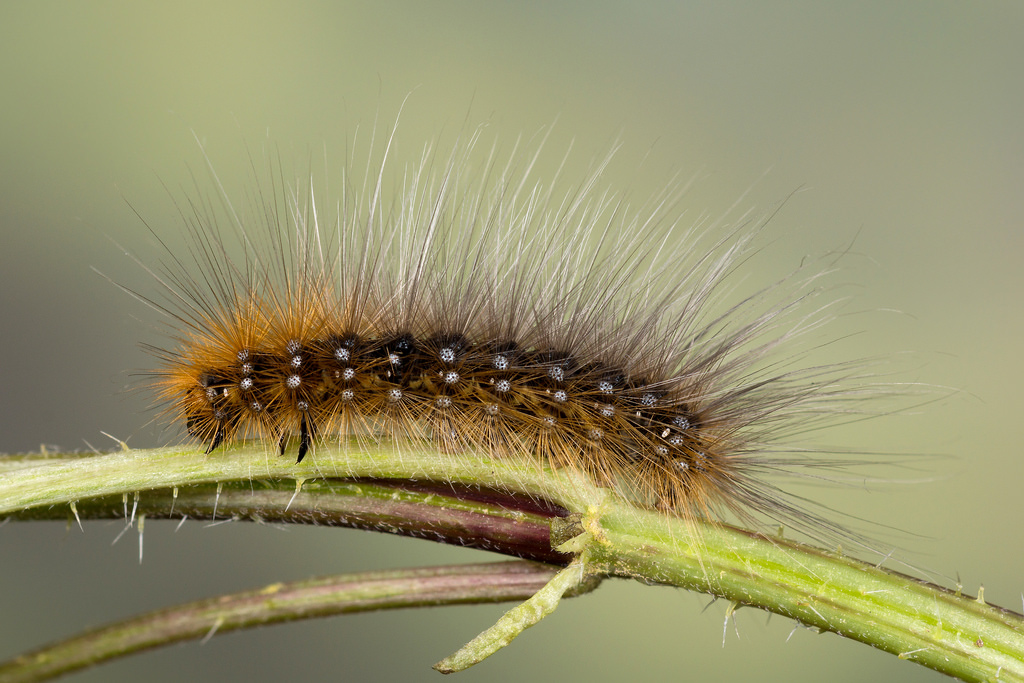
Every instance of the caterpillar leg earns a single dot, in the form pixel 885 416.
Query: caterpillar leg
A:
pixel 306 433
pixel 218 438
pixel 198 427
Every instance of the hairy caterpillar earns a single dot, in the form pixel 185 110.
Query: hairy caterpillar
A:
pixel 474 307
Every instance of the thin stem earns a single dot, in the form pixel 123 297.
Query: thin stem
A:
pixel 953 633
pixel 277 603
pixel 470 517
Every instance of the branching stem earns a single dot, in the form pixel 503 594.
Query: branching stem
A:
pixel 947 631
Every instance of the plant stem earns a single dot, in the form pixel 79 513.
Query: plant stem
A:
pixel 463 516
pixel 947 631
pixel 953 633
pixel 277 603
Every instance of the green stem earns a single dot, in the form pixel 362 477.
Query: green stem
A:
pixel 543 602
pixel 28 481
pixel 952 633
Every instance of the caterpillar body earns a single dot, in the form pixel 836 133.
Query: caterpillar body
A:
pixel 478 309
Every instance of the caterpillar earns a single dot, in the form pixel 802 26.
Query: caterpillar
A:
pixel 475 307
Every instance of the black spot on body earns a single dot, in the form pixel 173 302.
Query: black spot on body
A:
pixel 400 359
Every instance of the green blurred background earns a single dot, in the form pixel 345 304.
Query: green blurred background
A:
pixel 902 122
